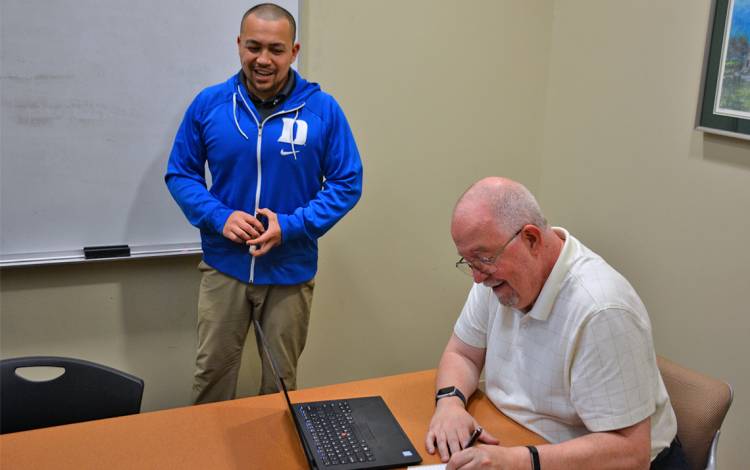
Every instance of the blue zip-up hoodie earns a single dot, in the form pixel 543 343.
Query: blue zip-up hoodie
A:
pixel 301 162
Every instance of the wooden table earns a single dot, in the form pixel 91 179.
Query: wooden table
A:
pixel 247 433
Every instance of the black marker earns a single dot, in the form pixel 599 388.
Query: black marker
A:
pixel 474 437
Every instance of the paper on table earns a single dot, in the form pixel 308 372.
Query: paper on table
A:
pixel 440 466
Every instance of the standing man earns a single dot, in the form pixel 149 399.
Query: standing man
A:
pixel 565 344
pixel 285 168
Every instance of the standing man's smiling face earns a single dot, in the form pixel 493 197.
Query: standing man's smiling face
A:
pixel 267 51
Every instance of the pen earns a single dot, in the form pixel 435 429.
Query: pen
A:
pixel 474 437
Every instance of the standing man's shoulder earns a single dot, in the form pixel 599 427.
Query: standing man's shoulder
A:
pixel 320 102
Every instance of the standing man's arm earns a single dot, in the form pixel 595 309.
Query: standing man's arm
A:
pixel 451 425
pixel 186 180
pixel 341 189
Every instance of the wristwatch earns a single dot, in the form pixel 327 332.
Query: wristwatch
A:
pixel 450 392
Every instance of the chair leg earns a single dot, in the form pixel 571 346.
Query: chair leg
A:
pixel 711 462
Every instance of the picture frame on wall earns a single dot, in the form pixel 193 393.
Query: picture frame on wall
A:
pixel 724 107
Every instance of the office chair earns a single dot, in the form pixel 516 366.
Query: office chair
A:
pixel 85 391
pixel 700 403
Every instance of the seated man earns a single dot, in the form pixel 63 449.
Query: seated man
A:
pixel 565 343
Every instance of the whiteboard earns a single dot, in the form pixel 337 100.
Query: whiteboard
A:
pixel 91 95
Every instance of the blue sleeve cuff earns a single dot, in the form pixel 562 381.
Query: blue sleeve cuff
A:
pixel 219 219
pixel 291 228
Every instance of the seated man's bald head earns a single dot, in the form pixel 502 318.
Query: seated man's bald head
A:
pixel 507 202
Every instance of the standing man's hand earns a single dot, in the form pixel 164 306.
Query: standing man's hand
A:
pixel 269 238
pixel 451 427
pixel 241 227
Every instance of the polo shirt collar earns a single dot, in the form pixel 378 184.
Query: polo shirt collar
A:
pixel 274 101
pixel 547 296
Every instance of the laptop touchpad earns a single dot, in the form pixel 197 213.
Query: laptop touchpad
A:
pixel 365 433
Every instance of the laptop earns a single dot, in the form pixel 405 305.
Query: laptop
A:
pixel 348 434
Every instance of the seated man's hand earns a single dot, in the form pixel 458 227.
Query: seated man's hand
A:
pixel 451 427
pixel 489 457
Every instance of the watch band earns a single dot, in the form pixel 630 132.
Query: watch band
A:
pixel 451 391
pixel 535 465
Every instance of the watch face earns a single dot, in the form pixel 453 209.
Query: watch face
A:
pixel 451 391
pixel 446 390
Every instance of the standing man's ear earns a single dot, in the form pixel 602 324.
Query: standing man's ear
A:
pixel 295 50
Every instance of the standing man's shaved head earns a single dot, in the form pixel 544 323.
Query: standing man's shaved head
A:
pixel 271 12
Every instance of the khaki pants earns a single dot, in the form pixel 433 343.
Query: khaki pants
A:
pixel 226 308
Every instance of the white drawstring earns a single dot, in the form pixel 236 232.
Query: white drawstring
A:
pixel 247 106
pixel 294 121
pixel 234 113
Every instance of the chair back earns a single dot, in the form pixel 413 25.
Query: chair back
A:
pixel 85 391
pixel 700 403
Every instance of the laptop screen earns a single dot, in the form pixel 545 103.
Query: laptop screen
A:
pixel 275 367
pixel 282 387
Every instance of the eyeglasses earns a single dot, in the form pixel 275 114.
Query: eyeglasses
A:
pixel 484 265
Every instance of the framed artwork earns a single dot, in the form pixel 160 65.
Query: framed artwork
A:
pixel 724 107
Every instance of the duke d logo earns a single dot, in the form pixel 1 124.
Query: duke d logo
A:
pixel 294 133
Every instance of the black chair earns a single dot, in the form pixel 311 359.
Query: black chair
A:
pixel 85 391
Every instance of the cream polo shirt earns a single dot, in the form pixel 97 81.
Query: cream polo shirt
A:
pixel 581 361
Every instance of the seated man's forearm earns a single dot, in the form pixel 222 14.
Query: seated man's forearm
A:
pixel 458 371
pixel 628 448
pixel 460 366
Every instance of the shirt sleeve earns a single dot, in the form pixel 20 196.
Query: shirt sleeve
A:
pixel 342 185
pixel 186 175
pixel 471 326
pixel 614 372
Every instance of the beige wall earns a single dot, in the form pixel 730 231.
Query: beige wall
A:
pixel 437 96
pixel 589 103
pixel 623 169
pixel 134 315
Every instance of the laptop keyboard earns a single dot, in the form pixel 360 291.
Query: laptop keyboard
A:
pixel 334 436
